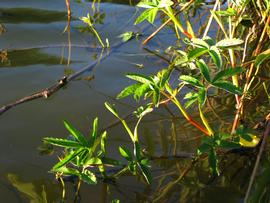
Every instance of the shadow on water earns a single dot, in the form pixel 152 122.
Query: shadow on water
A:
pixel 30 15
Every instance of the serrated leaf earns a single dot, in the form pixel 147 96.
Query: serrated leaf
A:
pixel 229 72
pixel 140 78
pixel 204 69
pixel 146 173
pixel 216 56
pixel 68 158
pixel 76 133
pixel 228 86
pixel 199 43
pixel 128 91
pixel 191 80
pixel 229 43
pixel 125 153
pixel 61 142
pixel 88 177
pixel 195 53
pixel 141 91
pixel 149 15
pixel 262 57
pixel 202 96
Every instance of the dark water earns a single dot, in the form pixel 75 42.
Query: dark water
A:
pixel 37 56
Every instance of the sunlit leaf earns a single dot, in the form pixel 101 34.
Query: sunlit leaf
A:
pixel 94 132
pixel 216 56
pixel 228 86
pixel 128 91
pixel 62 142
pixel 125 152
pixel 202 96
pixel 191 80
pixel 140 78
pixel 76 133
pixel 227 73
pixel 195 53
pixel 88 177
pixel 149 15
pixel 229 43
pixel 68 158
pixel 204 69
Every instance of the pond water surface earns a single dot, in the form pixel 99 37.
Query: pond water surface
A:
pixel 37 56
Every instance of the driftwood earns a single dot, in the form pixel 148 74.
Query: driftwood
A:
pixel 47 92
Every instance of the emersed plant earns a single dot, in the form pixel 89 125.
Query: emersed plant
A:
pixel 233 63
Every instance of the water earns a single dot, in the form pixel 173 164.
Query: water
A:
pixel 38 56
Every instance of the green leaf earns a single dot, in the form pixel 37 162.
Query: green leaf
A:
pixel 262 57
pixel 246 137
pixel 156 97
pixel 146 173
pixel 228 86
pixel 227 73
pixel 199 43
pixel 141 91
pixel 76 133
pixel 229 43
pixel 140 78
pixel 68 171
pixel 149 15
pixel 128 91
pixel 191 80
pixel 202 96
pixel 88 177
pixel 216 56
pixel 204 148
pixel 204 69
pixel 103 143
pixel 112 109
pixel 68 158
pixel 227 13
pixel 229 145
pixel 147 4
pixel 125 153
pixel 213 162
pixel 92 161
pixel 94 132
pixel 195 53
pixel 62 142
pixel 126 36
pixel 165 3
